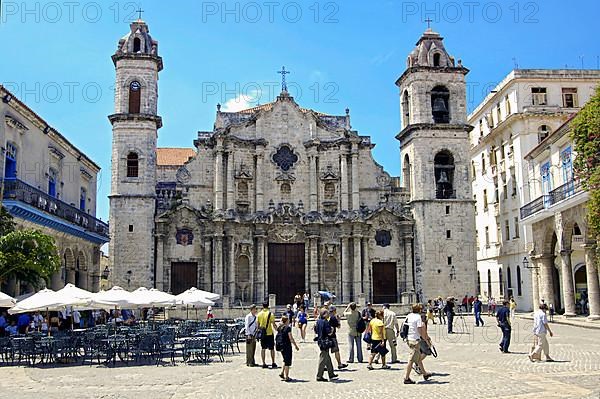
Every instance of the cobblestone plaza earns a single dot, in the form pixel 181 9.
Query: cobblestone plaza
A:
pixel 469 365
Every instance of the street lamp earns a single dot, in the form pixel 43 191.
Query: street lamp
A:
pixel 526 264
pixel 105 273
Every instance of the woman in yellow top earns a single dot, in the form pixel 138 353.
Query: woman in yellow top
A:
pixel 377 330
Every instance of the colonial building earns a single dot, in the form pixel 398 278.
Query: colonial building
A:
pixel 562 249
pixel 279 199
pixel 50 185
pixel 518 114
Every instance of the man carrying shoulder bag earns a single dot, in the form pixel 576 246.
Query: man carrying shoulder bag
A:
pixel 251 330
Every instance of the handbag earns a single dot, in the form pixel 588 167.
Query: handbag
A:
pixel 367 337
pixel 325 343
pixel 261 331
pixel 381 349
pixel 425 348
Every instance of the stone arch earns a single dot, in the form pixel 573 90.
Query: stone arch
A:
pixel 406 172
pixel 81 270
pixel 444 175
pixel 406 107
pixel 69 266
pixel 440 104
pixel 137 45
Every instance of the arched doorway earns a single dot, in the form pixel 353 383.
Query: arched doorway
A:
pixel 580 288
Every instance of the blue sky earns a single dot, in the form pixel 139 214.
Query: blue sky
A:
pixel 56 57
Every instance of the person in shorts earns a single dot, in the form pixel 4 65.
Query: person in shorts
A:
pixel 417 331
pixel 334 322
pixel 286 352
pixel 302 322
pixel 266 322
pixel 377 329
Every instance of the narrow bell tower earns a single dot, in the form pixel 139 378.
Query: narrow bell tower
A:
pixel 434 148
pixel 133 180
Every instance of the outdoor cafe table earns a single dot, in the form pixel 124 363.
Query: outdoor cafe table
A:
pixel 115 346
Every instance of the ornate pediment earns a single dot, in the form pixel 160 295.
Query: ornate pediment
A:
pixel 13 122
pixel 244 173
pixel 286 176
pixel 329 174
pixel 183 175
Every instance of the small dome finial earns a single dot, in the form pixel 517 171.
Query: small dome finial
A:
pixel 218 107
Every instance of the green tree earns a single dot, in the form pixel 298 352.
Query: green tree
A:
pixel 7 223
pixel 585 132
pixel 29 255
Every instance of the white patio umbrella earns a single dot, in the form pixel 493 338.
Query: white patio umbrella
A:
pixel 196 297
pixel 6 301
pixel 153 297
pixel 116 297
pixel 47 300
pixel 75 292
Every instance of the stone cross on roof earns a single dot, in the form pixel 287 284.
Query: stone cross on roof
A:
pixel 283 72
pixel 429 21
pixel 140 12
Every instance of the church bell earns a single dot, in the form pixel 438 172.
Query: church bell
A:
pixel 439 106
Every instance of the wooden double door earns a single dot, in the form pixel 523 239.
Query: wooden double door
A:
pixel 184 275
pixel 384 282
pixel 286 271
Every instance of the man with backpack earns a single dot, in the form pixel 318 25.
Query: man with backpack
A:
pixel 266 329
pixel 356 326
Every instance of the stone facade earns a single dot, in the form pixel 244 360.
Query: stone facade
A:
pixel 433 147
pixel 514 118
pixel 278 199
pixel 50 185
pixel 562 250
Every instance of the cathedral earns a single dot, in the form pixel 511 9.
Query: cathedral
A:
pixel 279 199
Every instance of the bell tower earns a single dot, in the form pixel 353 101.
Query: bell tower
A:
pixel 133 178
pixel 434 148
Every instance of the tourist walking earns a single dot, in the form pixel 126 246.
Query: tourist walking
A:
pixel 465 304
pixel 323 331
pixel 477 306
pixel 251 326
pixel 430 312
pixel 285 340
pixel 416 333
pixel 503 318
pixel 267 326
pixel 377 329
pixel 306 300
pixel 449 310
pixel 289 312
pixel 513 308
pixel 356 326
pixel 302 322
pixel 540 329
pixel 440 305
pixel 390 322
pixel 334 322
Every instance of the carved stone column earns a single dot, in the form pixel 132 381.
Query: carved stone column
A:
pixel 71 276
pixel 261 293
pixel 219 178
pixel 535 283
pixel 208 262
pixel 218 264
pixel 314 264
pixel 568 284
pixel 355 178
pixel 356 267
pixel 344 180
pixel 591 268
pixel 231 274
pixel 366 263
pixel 160 267
pixel 346 271
pixel 258 176
pixel 56 282
pixel 546 280
pixel 230 181
pixel 313 183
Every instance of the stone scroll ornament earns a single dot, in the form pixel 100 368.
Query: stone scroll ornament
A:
pixel 184 237
pixel 383 238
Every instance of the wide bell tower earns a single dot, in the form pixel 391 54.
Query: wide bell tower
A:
pixel 133 180
pixel 434 148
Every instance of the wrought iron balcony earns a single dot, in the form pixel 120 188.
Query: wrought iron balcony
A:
pixel 555 196
pixel 445 194
pixel 18 190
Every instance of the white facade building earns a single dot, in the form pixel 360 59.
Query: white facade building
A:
pixel 513 119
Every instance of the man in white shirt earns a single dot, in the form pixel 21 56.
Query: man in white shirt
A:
pixel 390 322
pixel 417 332
pixel 540 329
pixel 251 325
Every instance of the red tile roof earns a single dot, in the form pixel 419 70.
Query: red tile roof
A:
pixel 173 156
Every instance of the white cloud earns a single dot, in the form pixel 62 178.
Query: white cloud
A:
pixel 242 101
pixel 382 58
